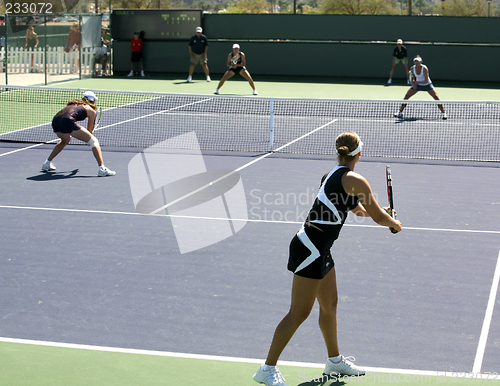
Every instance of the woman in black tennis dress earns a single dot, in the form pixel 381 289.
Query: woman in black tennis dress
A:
pixel 236 61
pixel 65 126
pixel 342 190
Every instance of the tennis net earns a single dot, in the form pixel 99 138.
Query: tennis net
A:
pixel 259 124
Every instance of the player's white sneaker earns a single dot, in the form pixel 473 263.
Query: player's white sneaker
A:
pixel 48 167
pixel 344 367
pixel 216 91
pixel 208 78
pixel 399 114
pixel 142 73
pixel 105 172
pixel 255 92
pixel 131 73
pixel 269 378
pixel 445 116
pixel 190 78
pixel 389 81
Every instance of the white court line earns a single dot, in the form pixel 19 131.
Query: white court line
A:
pixel 481 347
pixel 240 168
pixel 454 376
pixel 234 219
pixel 111 125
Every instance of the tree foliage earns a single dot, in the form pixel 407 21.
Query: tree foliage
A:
pixel 249 6
pixel 465 8
pixel 357 7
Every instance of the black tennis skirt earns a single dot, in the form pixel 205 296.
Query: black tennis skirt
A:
pixel 298 253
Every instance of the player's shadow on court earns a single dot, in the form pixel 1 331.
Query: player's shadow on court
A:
pixel 402 120
pixel 52 176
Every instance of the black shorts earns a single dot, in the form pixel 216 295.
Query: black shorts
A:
pixel 136 56
pixel 237 69
pixel 301 254
pixel 65 125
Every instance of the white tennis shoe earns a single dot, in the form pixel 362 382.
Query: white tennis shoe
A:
pixel 344 367
pixel 399 114
pixel 255 92
pixel 105 172
pixel 445 116
pixel 190 78
pixel 216 91
pixel 131 73
pixel 389 81
pixel 208 78
pixel 48 167
pixel 269 378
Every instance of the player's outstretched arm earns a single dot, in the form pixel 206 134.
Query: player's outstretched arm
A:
pixel 356 185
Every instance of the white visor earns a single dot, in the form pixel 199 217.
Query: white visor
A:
pixel 357 150
pixel 419 59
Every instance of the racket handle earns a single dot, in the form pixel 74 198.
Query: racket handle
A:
pixel 391 213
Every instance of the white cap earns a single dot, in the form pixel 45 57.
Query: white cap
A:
pixel 236 45
pixel 199 29
pixel 90 95
pixel 399 41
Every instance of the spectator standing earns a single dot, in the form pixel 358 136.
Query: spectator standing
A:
pixel 136 45
pixel 31 44
pixel 399 55
pixel 198 47
pixel 73 46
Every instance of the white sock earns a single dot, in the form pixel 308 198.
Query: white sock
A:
pixel 48 162
pixel 102 167
pixel 268 368
pixel 336 359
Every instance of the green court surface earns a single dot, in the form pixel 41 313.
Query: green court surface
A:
pixel 26 364
pixel 290 87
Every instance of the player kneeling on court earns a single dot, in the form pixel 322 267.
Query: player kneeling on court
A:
pixel 65 126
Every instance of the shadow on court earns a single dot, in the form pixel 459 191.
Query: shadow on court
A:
pixel 51 176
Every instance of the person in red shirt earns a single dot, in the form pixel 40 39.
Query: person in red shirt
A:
pixel 136 45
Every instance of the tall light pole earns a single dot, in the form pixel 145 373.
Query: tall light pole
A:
pixel 489 5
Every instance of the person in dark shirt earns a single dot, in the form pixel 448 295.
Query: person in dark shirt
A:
pixel 399 55
pixel 341 190
pixel 198 47
pixel 65 126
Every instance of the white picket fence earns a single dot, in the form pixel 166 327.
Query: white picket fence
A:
pixel 59 62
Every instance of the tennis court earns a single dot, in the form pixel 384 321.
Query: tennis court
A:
pixel 95 290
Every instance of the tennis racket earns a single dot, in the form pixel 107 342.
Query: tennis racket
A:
pixel 390 196
pixel 411 78
pixel 235 59
pixel 97 118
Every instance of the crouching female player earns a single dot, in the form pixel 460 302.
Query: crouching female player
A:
pixel 65 126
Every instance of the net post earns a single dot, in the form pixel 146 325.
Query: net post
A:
pixel 271 124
